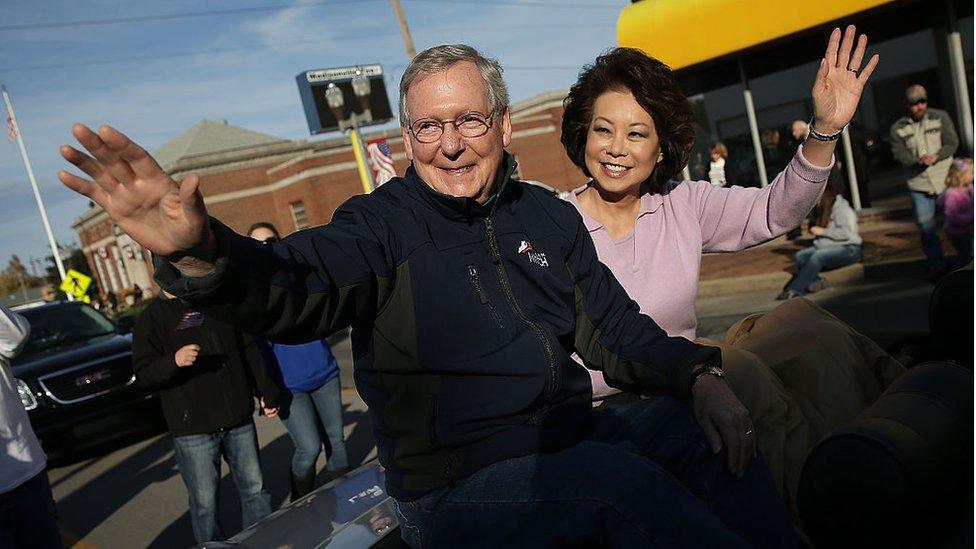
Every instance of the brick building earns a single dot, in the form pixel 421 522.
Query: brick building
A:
pixel 248 177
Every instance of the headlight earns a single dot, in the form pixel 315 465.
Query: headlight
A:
pixel 26 396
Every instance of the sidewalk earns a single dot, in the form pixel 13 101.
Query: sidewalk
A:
pixel 891 248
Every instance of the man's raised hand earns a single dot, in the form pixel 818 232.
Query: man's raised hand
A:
pixel 166 217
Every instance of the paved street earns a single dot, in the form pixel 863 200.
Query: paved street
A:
pixel 131 495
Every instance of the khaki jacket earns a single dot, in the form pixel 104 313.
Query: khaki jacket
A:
pixel 933 134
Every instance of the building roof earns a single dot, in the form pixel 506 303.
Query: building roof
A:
pixel 207 137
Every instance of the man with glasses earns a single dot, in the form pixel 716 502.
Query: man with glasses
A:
pixel 467 292
pixel 923 142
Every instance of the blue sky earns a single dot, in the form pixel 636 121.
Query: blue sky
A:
pixel 154 77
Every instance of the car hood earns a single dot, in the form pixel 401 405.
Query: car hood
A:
pixel 57 358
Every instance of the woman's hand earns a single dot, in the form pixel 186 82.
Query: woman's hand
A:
pixel 840 81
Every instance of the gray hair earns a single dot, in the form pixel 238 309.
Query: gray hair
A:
pixel 443 57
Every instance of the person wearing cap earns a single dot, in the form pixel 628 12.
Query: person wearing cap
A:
pixel 923 142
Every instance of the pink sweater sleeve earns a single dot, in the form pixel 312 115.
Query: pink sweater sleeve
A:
pixel 734 218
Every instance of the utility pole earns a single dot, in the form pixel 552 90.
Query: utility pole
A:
pixel 404 30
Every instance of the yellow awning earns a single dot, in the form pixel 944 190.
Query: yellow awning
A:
pixel 683 33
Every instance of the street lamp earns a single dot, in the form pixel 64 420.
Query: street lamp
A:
pixel 362 89
pixel 336 102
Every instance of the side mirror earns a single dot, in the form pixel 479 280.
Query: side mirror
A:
pixel 125 323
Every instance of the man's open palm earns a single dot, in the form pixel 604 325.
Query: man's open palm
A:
pixel 157 212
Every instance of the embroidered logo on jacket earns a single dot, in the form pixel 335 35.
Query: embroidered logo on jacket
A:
pixel 539 258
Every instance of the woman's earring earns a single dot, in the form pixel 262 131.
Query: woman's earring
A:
pixel 660 157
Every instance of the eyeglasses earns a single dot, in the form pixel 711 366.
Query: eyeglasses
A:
pixel 470 125
pixel 918 101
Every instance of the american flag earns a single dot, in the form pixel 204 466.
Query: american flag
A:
pixel 11 126
pixel 381 160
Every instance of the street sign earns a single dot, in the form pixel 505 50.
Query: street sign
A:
pixel 343 97
pixel 75 283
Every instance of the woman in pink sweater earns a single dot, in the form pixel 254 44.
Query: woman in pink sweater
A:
pixel 628 126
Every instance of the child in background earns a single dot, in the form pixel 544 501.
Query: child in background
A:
pixel 957 204
pixel 716 169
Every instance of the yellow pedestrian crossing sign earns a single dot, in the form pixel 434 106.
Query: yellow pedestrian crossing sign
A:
pixel 75 283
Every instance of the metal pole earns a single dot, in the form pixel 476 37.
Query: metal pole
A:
pixel 845 140
pixel 30 175
pixel 686 173
pixel 753 127
pixel 404 29
pixel 359 151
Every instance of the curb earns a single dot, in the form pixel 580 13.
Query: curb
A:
pixel 845 276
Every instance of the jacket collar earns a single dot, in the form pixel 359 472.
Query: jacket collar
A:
pixel 463 208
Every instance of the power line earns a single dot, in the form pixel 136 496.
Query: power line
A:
pixel 175 55
pixel 524 3
pixel 175 16
pixel 277 7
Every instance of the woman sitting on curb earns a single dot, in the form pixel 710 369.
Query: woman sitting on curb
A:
pixel 837 244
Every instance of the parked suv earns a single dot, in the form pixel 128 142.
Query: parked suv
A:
pixel 75 378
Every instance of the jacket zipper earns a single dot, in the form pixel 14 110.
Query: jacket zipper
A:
pixel 510 296
pixel 482 295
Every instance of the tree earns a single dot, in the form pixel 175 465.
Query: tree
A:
pixel 15 278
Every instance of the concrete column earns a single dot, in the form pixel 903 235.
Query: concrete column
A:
pixel 113 279
pixel 120 264
pixel 845 140
pixel 756 140
pixel 753 127
pixel 960 88
pixel 964 113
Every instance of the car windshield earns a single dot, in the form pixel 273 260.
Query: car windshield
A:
pixel 62 324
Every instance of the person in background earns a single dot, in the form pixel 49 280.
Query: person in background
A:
pixel 28 517
pixel 113 302
pixel 207 374
pixel 957 204
pixel 716 171
pixel 800 130
pixel 136 294
pixel 837 244
pixel 923 142
pixel 311 398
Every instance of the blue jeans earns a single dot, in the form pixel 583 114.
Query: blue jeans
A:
pixel 644 477
pixel 28 517
pixel 198 457
pixel 923 206
pixel 301 413
pixel 810 261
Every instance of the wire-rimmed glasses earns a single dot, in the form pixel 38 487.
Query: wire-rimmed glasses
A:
pixel 470 125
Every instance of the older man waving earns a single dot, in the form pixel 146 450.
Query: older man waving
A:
pixel 467 292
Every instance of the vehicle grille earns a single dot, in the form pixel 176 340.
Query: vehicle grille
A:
pixel 89 380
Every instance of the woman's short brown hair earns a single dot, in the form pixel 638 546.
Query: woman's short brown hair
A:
pixel 654 87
